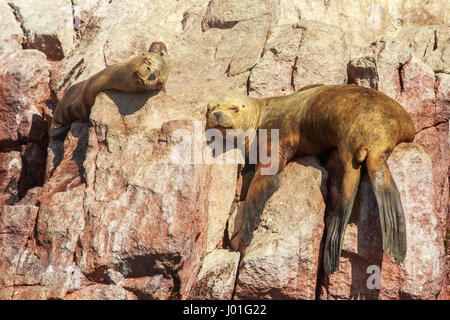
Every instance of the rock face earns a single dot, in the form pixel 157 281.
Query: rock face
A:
pixel 217 276
pixel 25 98
pixel 120 209
pixel 12 35
pixel 51 31
pixel 284 253
pixel 294 57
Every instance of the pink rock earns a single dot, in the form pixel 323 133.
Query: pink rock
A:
pixel 133 112
pixel 423 265
pixel 55 37
pixel 435 142
pixel 139 222
pixel 25 293
pixel 33 167
pixel 101 292
pixel 217 276
pixel 16 226
pixel 11 167
pixel 272 75
pixel 417 93
pixel 228 13
pixel 293 58
pixel 221 182
pixel 142 220
pixel 429 43
pixel 43 256
pixel 149 217
pixel 363 72
pixel 389 56
pixel 12 35
pixel 281 261
pixel 20 171
pixel 24 99
pixel 442 89
pixel 234 16
pixel 24 95
pixel 154 287
pixel 322 56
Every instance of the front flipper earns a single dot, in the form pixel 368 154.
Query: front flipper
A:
pixel 260 190
pixel 72 107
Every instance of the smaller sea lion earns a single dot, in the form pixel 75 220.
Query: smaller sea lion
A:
pixel 145 72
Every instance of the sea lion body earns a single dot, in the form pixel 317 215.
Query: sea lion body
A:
pixel 148 71
pixel 351 118
pixel 363 124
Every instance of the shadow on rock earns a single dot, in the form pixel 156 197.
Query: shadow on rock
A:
pixel 131 102
pixel 78 131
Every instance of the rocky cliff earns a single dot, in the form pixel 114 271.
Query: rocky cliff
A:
pixel 106 214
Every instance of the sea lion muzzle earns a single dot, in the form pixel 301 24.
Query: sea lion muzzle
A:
pixel 219 119
pixel 218 115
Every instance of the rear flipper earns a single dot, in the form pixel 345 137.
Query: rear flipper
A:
pixel 337 222
pixel 336 226
pixel 392 218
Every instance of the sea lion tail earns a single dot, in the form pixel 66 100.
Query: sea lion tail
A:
pixel 392 218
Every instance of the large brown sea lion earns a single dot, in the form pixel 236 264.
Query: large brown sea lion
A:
pixel 148 71
pixel 363 124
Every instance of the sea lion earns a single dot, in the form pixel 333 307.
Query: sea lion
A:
pixel 148 71
pixel 363 124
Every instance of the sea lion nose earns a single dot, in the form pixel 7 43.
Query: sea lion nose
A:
pixel 217 115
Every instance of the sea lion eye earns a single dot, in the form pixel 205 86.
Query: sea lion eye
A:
pixel 234 108
pixel 152 76
pixel 211 107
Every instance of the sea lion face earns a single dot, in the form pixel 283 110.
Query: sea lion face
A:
pixel 231 110
pixel 152 71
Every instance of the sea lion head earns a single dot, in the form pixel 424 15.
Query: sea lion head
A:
pixel 152 71
pixel 232 110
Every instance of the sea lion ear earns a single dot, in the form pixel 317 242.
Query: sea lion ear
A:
pixel 158 47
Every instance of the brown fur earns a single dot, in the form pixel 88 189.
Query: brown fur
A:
pixel 310 87
pixel 363 124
